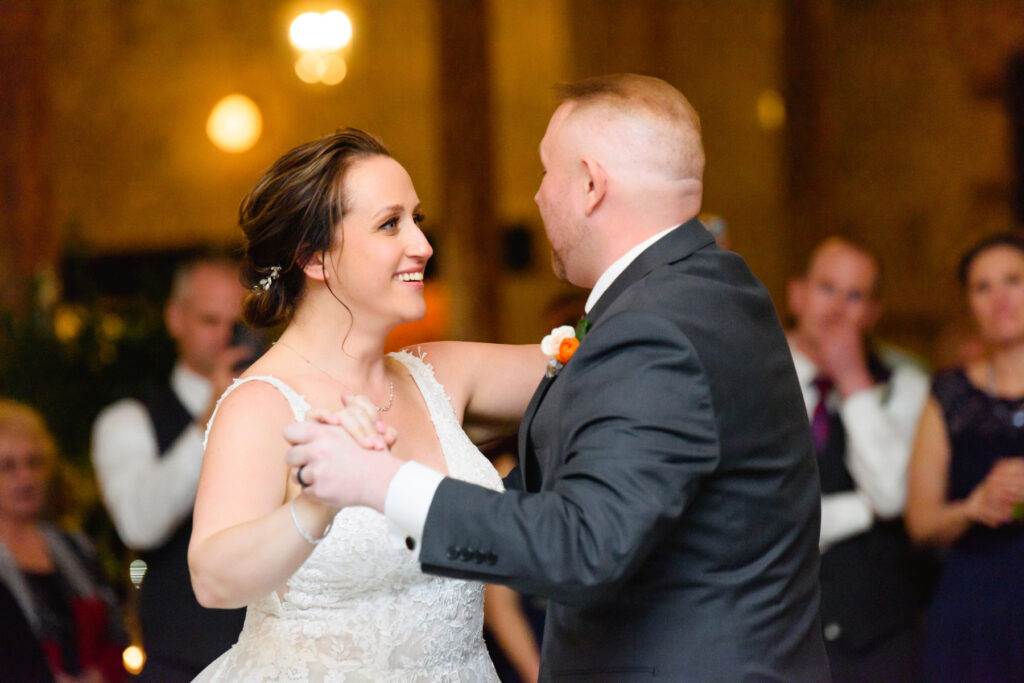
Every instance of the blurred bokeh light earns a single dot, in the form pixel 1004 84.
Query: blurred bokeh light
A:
pixel 235 124
pixel 134 659
pixel 312 31
pixel 318 37
pixel 771 110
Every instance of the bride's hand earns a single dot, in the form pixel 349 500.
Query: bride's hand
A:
pixel 360 419
pixel 323 416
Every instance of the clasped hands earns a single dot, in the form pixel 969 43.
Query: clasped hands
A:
pixel 999 497
pixel 345 456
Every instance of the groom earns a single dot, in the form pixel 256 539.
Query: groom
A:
pixel 666 501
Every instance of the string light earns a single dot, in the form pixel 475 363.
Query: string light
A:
pixel 318 38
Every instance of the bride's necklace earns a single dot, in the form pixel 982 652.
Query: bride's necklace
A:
pixel 391 385
pixel 1016 415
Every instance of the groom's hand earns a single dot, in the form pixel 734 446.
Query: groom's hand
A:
pixel 336 469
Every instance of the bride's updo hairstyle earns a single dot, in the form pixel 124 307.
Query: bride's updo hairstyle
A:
pixel 290 215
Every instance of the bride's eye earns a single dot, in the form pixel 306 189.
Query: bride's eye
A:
pixel 390 225
pixel 418 218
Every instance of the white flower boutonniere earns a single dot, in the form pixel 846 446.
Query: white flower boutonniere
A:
pixel 561 344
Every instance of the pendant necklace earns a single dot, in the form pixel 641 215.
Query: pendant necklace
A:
pixel 391 385
pixel 1013 416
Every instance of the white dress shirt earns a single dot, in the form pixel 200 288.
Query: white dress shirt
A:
pixel 147 496
pixel 880 424
pixel 413 487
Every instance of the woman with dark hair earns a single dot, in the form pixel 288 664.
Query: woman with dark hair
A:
pixel 334 250
pixel 966 481
pixel 57 618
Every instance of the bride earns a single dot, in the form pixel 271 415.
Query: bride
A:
pixel 334 249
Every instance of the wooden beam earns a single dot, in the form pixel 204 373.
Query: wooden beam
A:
pixel 471 261
pixel 28 237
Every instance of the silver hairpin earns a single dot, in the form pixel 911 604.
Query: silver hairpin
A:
pixel 265 283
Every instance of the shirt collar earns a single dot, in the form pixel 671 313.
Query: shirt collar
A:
pixel 616 269
pixel 806 370
pixel 194 390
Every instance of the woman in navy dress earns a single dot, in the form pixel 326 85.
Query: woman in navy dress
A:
pixel 966 482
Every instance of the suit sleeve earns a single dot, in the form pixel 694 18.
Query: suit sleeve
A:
pixel 636 434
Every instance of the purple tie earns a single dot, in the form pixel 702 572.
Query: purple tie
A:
pixel 820 418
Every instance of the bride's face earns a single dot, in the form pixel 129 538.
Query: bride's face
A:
pixel 380 252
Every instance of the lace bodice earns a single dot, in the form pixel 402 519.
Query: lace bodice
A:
pixel 360 609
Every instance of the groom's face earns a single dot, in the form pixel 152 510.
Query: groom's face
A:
pixel 554 197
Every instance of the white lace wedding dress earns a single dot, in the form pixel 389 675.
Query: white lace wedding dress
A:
pixel 361 610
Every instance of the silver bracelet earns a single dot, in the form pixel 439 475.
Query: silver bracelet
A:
pixel 302 532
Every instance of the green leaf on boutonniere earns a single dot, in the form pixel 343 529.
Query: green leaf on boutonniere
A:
pixel 582 327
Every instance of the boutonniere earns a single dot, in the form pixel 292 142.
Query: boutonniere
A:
pixel 561 344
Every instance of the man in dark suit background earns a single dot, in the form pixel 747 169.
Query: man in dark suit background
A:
pixel 667 499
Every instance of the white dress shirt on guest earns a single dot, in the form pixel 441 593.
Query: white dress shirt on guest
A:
pixel 413 487
pixel 880 425
pixel 147 496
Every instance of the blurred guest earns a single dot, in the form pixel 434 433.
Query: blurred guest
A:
pixel 58 620
pixel 966 483
pixel 863 404
pixel 513 623
pixel 718 228
pixel 147 454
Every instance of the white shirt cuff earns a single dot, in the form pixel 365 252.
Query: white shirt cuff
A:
pixel 843 515
pixel 407 503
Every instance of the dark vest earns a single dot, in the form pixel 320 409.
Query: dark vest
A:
pixel 872 584
pixel 180 637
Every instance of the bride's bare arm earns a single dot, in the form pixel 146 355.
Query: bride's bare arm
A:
pixel 244 541
pixel 489 383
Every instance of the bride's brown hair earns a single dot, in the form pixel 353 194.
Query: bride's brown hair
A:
pixel 290 215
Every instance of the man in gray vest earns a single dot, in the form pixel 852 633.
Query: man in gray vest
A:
pixel 863 401
pixel 147 454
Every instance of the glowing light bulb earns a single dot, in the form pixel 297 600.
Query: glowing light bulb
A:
pixel 134 658
pixel 235 124
pixel 336 30
pixel 305 31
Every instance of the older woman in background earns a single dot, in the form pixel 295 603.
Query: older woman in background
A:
pixel 966 481
pixel 58 621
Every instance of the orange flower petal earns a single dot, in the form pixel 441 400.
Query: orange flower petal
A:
pixel 566 349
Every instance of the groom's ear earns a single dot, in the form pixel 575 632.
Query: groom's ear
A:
pixel 597 184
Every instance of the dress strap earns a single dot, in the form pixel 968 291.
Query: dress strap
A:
pixel 423 374
pixel 296 401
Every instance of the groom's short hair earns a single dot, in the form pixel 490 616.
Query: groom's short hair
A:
pixel 647 97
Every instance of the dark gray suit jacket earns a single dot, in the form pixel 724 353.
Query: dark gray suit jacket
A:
pixel 669 501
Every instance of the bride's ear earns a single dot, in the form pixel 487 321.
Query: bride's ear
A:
pixel 315 266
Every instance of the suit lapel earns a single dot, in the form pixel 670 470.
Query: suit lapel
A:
pixel 678 244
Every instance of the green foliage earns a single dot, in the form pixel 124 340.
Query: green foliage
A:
pixel 71 361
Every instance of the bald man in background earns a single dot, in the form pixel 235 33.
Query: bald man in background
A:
pixel 147 452
pixel 666 500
